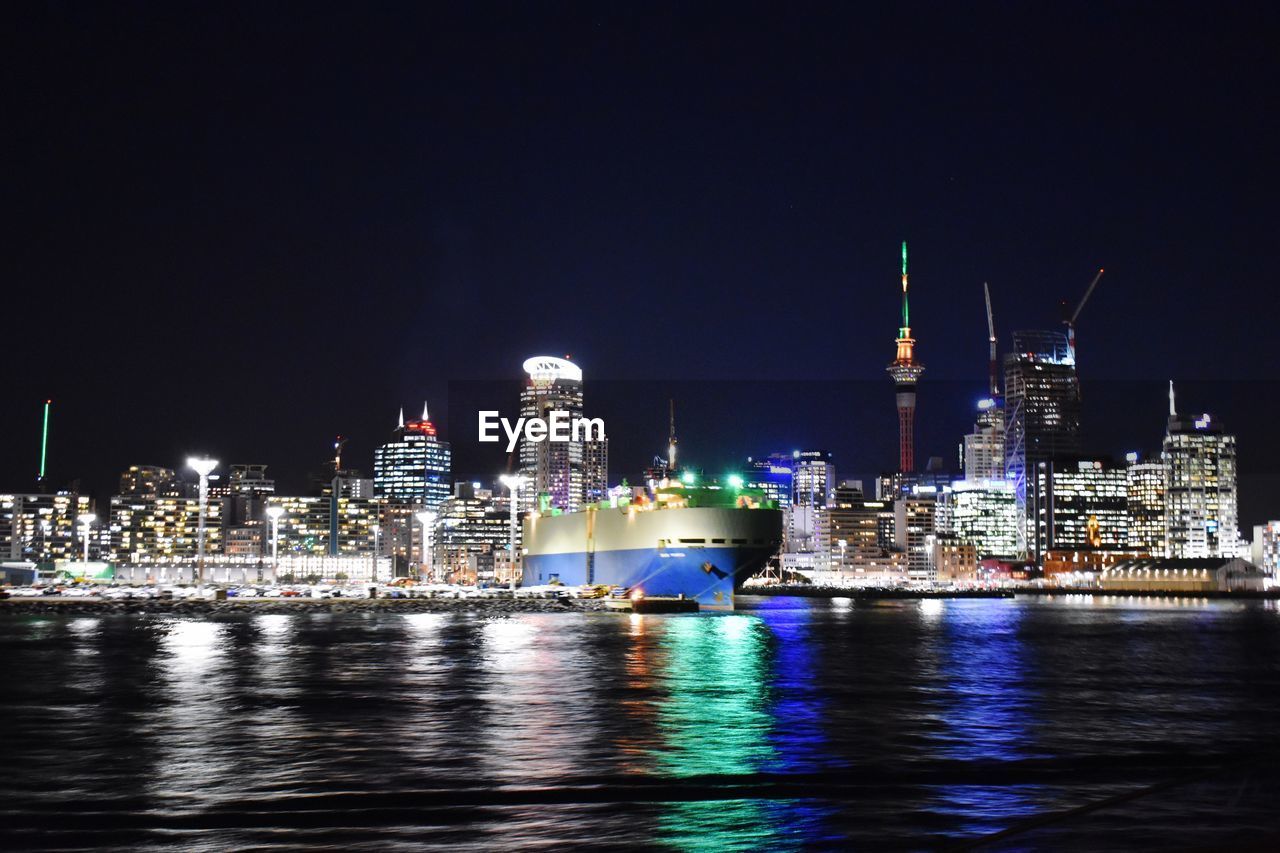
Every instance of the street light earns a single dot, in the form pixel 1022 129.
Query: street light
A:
pixel 202 465
pixel 376 528
pixel 425 518
pixel 87 519
pixel 514 483
pixel 274 512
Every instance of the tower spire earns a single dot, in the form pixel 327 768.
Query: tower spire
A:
pixel 424 411
pixel 906 316
pixel 1173 409
pixel 401 424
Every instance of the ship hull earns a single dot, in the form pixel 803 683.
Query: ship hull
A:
pixel 700 553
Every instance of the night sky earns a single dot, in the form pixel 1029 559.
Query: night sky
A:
pixel 245 228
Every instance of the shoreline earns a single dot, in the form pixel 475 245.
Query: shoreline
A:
pixel 877 594
pixel 55 605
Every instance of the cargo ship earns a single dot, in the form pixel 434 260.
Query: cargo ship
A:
pixel 701 542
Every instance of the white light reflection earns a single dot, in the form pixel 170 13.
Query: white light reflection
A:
pixel 932 608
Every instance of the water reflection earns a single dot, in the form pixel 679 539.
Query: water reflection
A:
pixel 715 720
pixel 987 710
pixel 188 728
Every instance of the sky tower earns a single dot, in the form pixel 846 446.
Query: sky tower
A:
pixel 906 371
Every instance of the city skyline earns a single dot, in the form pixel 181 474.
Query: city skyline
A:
pixel 664 218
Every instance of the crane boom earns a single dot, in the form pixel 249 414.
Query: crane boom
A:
pixel 991 341
pixel 1085 298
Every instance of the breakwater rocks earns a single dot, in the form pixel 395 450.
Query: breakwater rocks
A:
pixel 57 606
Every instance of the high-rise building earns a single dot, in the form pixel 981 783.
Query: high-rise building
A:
pixel 470 531
pixel 42 527
pixel 854 543
pixel 774 476
pixel 905 371
pixel 327 525
pixel 1146 505
pixel 147 528
pixel 1041 411
pixel 983 449
pixel 813 478
pixel 1079 504
pixel 1200 487
pixel 152 481
pixel 914 535
pixel 415 466
pixel 985 513
pixel 571 473
pixel 1266 548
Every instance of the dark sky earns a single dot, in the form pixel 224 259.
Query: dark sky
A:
pixel 244 228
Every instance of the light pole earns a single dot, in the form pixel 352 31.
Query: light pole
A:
pixel 274 513
pixel 87 519
pixel 425 518
pixel 377 529
pixel 202 465
pixel 513 483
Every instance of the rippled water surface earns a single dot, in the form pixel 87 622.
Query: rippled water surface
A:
pixel 791 724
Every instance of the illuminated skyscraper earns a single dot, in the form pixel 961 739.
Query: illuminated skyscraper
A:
pixel 984 447
pixel 1146 487
pixel 985 514
pixel 1041 411
pixel 415 466
pixel 570 473
pixel 1200 476
pixel 1080 504
pixel 905 371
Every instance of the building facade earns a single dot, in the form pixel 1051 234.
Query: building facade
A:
pixel 1041 413
pixel 571 473
pixel 1200 488
pixel 1080 504
pixel 42 528
pixel 984 513
pixel 1146 505
pixel 415 466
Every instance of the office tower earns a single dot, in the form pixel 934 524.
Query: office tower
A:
pixel 1146 496
pixel 905 371
pixel 42 527
pixel 1079 504
pixel 415 466
pixel 570 473
pixel 471 533
pixel 914 534
pixel 1041 410
pixel 983 449
pixel 775 476
pixel 1200 486
pixel 813 478
pixel 985 514
pixel 151 481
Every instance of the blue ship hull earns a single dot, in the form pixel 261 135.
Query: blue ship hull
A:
pixel 700 553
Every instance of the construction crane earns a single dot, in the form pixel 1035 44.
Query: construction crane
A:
pixel 991 342
pixel 1071 321
pixel 671 440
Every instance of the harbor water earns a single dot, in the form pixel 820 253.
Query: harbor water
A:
pixel 789 724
